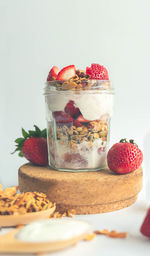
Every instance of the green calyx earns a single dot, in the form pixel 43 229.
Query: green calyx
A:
pixel 130 141
pixel 31 133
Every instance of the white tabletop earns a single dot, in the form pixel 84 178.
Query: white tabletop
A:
pixel 126 220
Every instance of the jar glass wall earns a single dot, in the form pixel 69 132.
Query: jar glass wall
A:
pixel 78 125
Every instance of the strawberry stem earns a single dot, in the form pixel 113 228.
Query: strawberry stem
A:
pixel 130 141
pixel 123 140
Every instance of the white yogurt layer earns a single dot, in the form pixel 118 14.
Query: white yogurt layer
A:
pixel 93 106
pixel 92 157
pixel 52 230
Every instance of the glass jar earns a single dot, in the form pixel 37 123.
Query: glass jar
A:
pixel 78 124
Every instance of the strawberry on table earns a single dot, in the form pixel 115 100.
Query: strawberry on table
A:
pixel 124 157
pixel 66 73
pixel 53 73
pixel 145 228
pixel 33 146
pixel 97 71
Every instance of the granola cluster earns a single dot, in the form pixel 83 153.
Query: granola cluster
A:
pixel 81 81
pixel 13 203
pixel 69 213
pixel 76 135
pixel 105 232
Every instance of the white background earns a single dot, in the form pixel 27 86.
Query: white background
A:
pixel 36 34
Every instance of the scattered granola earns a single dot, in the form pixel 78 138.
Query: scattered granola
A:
pixel 90 237
pixel 13 203
pixel 58 215
pixel 69 213
pixel 112 234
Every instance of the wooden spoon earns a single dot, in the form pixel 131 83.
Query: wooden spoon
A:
pixel 9 244
pixel 14 220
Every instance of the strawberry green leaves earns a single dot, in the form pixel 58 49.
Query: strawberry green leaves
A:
pixel 31 133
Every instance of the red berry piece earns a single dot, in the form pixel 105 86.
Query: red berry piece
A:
pixel 71 110
pixel 145 228
pixel 66 73
pixel 62 118
pixel 81 119
pixel 97 71
pixel 77 123
pixel 124 157
pixel 53 73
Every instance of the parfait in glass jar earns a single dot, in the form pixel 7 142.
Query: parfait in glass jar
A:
pixel 78 110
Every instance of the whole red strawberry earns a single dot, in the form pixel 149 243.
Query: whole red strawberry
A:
pixel 33 146
pixel 124 157
pixel 145 228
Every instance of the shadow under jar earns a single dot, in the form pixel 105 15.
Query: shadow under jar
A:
pixel 78 124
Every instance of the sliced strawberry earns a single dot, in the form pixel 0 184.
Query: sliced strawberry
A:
pixel 97 71
pixel 53 73
pixel 77 123
pixel 62 118
pixel 88 71
pixel 71 110
pixel 82 120
pixel 66 73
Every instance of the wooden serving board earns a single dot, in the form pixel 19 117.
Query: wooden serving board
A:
pixel 86 192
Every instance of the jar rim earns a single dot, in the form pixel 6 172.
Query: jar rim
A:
pixel 98 86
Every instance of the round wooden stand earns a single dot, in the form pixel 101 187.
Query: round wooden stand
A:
pixel 86 192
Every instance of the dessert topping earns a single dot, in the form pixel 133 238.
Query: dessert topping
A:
pixel 69 78
pixel 66 73
pixel 124 157
pixel 97 71
pixel 53 73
